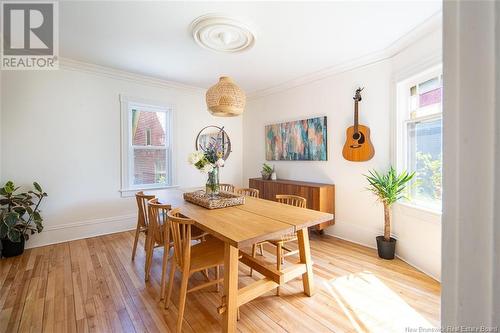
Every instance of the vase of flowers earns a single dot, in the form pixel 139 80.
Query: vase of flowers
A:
pixel 212 185
pixel 208 160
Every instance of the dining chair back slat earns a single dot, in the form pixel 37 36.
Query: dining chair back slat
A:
pixel 142 207
pixel 142 219
pixel 180 228
pixel 250 192
pixel 158 220
pixel 226 188
pixel 292 200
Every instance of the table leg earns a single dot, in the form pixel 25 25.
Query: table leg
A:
pixel 305 258
pixel 230 288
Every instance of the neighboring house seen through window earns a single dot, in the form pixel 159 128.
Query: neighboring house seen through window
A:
pixel 419 128
pixel 148 159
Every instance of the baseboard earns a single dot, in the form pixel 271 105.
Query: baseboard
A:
pixel 371 244
pixel 82 229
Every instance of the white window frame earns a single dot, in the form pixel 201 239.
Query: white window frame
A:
pixel 127 104
pixel 402 119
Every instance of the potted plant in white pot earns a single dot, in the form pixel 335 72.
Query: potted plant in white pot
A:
pixel 19 217
pixel 389 188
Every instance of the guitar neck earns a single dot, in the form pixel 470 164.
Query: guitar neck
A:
pixel 356 117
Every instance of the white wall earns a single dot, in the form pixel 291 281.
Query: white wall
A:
pixel 359 217
pixel 62 129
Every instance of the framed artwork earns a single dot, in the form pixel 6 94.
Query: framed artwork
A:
pixel 301 140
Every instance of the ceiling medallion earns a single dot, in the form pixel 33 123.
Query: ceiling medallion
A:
pixel 222 34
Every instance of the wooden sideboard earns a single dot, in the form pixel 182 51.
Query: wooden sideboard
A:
pixel 319 196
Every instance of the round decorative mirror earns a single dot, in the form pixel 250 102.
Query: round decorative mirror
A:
pixel 213 135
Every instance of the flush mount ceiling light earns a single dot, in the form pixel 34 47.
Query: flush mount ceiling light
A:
pixel 222 34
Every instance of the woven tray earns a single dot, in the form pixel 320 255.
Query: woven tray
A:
pixel 224 199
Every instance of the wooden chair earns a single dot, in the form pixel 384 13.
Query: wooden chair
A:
pixel 155 238
pixel 190 259
pixel 160 237
pixel 226 188
pixel 292 200
pixel 158 217
pixel 142 219
pixel 250 192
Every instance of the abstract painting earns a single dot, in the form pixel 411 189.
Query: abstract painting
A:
pixel 302 140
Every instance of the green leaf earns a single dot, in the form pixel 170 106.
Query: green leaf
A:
pixel 37 187
pixel 11 219
pixel 3 230
pixel 14 235
pixel 9 187
pixel 39 226
pixel 37 217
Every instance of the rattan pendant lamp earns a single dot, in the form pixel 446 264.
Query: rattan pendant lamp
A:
pixel 225 99
pixel 223 34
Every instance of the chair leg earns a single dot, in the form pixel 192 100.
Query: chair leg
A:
pixel 217 275
pixel 238 314
pixel 182 298
pixel 279 253
pixel 170 283
pixel 164 265
pixel 261 247
pixel 134 248
pixel 254 254
pixel 149 259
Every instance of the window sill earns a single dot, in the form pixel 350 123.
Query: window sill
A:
pixel 421 213
pixel 130 192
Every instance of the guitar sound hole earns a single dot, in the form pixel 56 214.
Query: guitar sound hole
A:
pixel 360 137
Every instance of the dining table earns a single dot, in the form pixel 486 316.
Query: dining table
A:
pixel 242 226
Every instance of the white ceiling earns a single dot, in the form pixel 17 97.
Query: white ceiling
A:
pixel 293 38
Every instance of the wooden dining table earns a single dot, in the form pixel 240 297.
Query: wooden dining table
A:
pixel 241 226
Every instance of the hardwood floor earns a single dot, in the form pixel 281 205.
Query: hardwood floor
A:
pixel 91 285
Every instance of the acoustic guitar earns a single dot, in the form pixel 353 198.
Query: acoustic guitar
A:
pixel 358 147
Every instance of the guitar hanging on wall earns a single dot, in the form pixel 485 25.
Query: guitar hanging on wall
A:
pixel 358 147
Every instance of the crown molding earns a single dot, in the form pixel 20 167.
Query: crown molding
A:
pixel 428 26
pixel 75 65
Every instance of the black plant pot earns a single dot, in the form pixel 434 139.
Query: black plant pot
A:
pixel 386 249
pixel 12 249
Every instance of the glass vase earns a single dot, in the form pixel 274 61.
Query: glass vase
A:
pixel 212 185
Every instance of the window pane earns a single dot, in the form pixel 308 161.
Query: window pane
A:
pixel 424 158
pixel 150 166
pixel 427 101
pixel 148 128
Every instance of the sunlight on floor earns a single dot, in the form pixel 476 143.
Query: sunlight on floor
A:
pixel 371 306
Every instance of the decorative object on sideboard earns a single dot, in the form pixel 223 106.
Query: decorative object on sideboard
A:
pixel 266 171
pixel 224 199
pixel 274 176
pixel 19 217
pixel 358 146
pixel 225 99
pixel 210 133
pixel 208 159
pixel 302 140
pixel 389 188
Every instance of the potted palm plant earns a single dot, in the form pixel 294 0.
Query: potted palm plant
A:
pixel 389 188
pixel 19 217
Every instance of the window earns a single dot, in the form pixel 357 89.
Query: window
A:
pixel 146 145
pixel 419 127
pixel 148 137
